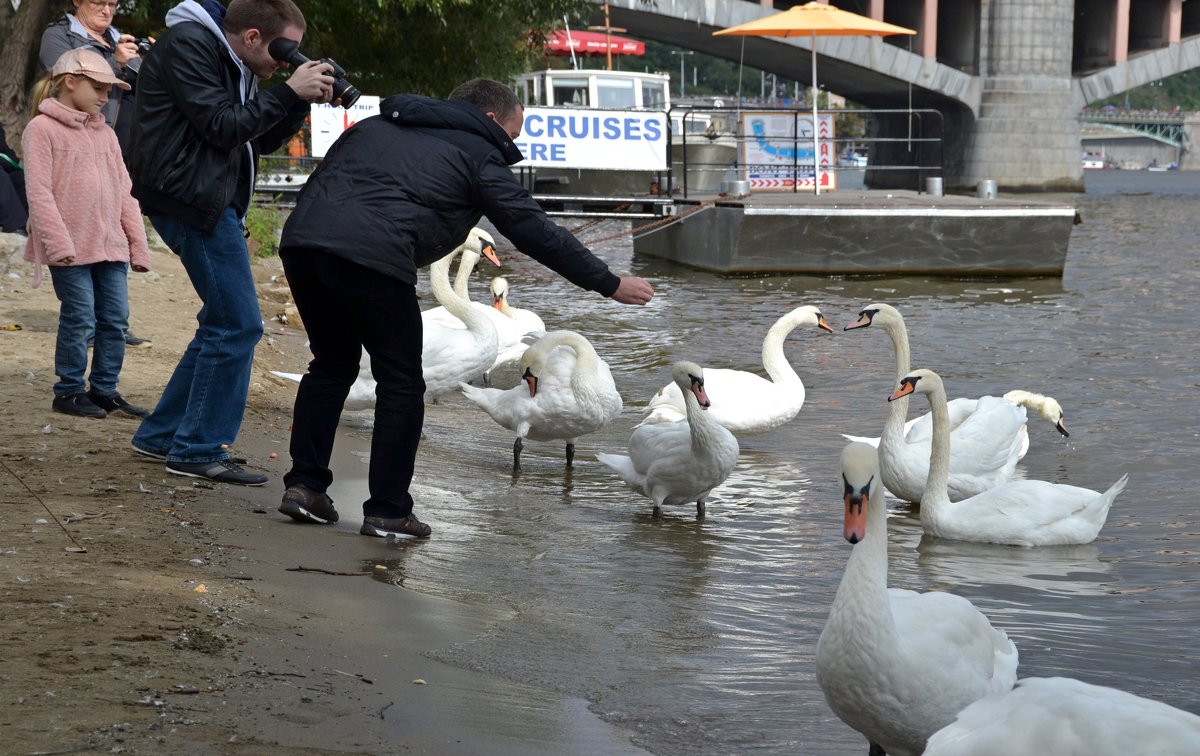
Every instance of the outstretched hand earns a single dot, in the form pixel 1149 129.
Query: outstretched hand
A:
pixel 633 290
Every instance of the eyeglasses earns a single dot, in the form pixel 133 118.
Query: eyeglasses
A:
pixel 101 5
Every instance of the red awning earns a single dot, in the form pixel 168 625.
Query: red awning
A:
pixel 561 42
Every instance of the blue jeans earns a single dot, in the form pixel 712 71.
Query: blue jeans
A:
pixel 201 409
pixel 95 300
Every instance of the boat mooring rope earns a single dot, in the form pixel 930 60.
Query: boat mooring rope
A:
pixel 639 229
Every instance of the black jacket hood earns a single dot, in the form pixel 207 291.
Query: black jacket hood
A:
pixel 430 113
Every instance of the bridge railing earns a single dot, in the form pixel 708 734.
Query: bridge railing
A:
pixel 881 148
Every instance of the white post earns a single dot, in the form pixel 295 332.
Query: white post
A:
pixel 816 155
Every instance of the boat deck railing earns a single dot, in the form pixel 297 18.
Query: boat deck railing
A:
pixel 897 162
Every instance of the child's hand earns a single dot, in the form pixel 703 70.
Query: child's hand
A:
pixel 140 269
pixel 66 260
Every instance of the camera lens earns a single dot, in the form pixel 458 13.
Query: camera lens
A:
pixel 346 92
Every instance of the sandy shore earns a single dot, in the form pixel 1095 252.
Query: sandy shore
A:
pixel 148 613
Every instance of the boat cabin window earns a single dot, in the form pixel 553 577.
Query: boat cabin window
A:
pixel 654 95
pixel 571 93
pixel 616 94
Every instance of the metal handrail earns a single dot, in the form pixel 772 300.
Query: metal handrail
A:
pixel 923 120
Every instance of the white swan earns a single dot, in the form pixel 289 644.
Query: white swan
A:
pixel 897 665
pixel 1059 715
pixel 744 402
pixel 921 428
pixel 362 391
pixel 479 243
pixel 567 392
pixel 1017 513
pixel 985 445
pixel 450 356
pixel 530 321
pixel 677 463
pixel 511 334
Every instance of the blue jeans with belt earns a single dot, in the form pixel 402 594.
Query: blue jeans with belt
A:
pixel 94 300
pixel 201 409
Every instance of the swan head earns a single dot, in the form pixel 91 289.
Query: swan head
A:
pixel 919 381
pixel 808 315
pixel 860 484
pixel 533 359
pixel 482 243
pixel 689 377
pixel 499 292
pixel 876 314
pixel 1046 406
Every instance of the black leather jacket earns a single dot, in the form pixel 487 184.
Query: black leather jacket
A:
pixel 188 157
pixel 402 189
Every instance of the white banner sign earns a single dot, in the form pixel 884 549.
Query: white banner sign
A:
pixel 329 122
pixel 778 151
pixel 632 140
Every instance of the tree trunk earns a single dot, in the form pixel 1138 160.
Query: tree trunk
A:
pixel 22 34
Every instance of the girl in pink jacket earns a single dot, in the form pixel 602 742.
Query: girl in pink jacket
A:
pixel 86 226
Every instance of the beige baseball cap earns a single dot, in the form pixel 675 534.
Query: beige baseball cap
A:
pixel 84 62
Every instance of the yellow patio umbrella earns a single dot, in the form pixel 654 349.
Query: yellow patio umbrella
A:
pixel 815 20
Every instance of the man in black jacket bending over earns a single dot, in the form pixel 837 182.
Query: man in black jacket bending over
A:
pixel 200 123
pixel 395 193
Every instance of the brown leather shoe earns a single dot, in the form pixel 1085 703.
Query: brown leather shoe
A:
pixel 303 504
pixel 395 527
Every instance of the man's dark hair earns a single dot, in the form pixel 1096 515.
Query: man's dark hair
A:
pixel 270 17
pixel 487 95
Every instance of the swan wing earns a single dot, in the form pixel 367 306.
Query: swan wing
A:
pixel 1028 513
pixel 954 640
pixel 1062 715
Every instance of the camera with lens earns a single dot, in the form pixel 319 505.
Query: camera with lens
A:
pixel 143 45
pixel 288 51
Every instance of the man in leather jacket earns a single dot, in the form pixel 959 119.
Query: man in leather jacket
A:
pixel 396 192
pixel 200 123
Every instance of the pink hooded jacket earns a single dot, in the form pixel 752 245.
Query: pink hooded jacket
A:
pixel 78 189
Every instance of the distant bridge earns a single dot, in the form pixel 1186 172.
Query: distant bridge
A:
pixel 1011 76
pixel 1168 128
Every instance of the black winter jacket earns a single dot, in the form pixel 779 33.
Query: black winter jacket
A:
pixel 188 156
pixel 402 189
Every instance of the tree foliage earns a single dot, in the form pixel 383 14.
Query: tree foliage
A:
pixel 386 46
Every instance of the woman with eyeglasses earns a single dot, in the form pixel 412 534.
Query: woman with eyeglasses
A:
pixel 89 24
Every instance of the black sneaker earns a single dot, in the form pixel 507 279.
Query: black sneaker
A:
pixel 136 341
pixel 147 452
pixel 221 470
pixel 162 457
pixel 77 404
pixel 303 504
pixel 395 527
pixel 113 404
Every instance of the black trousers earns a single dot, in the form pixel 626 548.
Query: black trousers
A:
pixel 345 308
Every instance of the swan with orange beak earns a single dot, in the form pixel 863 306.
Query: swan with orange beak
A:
pixel 897 665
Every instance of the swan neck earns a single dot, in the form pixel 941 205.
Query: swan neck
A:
pixel 463 276
pixel 439 282
pixel 773 359
pixel 862 601
pixel 705 430
pixel 893 428
pixel 939 455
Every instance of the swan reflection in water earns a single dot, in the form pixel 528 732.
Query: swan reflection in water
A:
pixel 1064 570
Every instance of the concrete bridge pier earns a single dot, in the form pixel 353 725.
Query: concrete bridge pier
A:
pixel 1026 135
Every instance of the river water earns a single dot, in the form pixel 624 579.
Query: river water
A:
pixel 698 637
